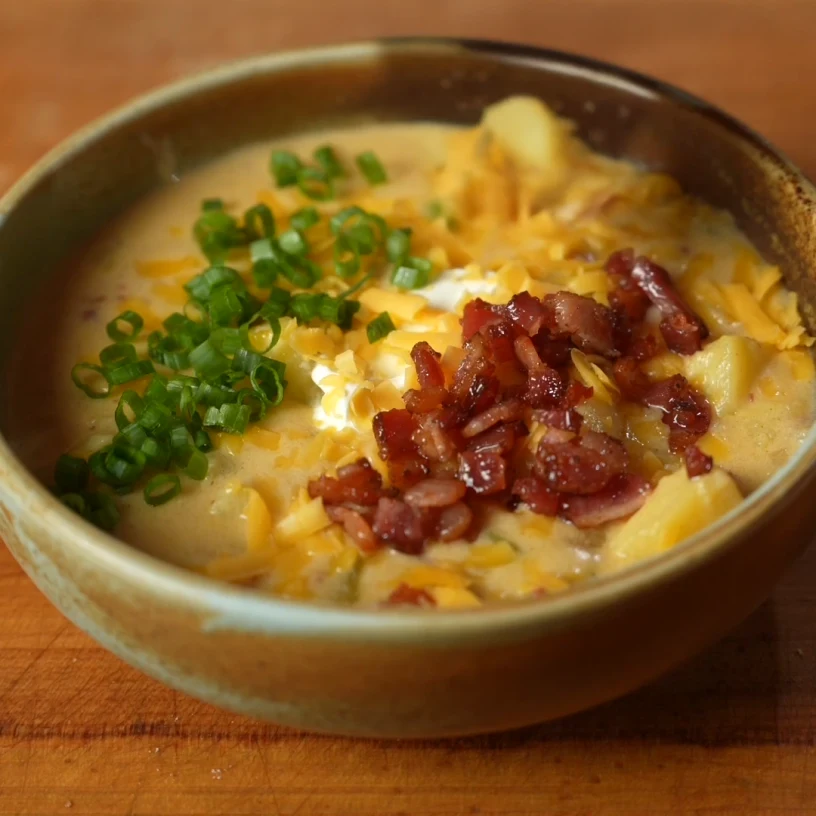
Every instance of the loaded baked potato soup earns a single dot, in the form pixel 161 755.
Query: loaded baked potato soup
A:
pixel 412 364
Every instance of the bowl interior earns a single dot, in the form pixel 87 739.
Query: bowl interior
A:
pixel 158 139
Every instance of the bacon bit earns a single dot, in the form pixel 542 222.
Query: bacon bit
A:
pixel 393 431
pixel 507 411
pixel 682 330
pixel 477 315
pixel 428 368
pixel 633 383
pixel 483 473
pixel 402 473
pixel 554 352
pixel 527 312
pixel 405 595
pixel 454 522
pixel 620 263
pixel 497 440
pixel 425 400
pixel 697 462
pixel 589 324
pixel 568 420
pixel 397 524
pixel 643 348
pixel 527 353
pixel 623 496
pixel 357 483
pixel 536 495
pixel 545 388
pixel 583 465
pixel 576 394
pixel 499 344
pixel 433 441
pixel 356 527
pixel 682 334
pixel 435 493
pixel 686 412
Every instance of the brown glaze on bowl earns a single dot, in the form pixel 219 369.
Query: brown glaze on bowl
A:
pixel 402 673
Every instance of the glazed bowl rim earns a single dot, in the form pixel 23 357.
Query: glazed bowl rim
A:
pixel 238 608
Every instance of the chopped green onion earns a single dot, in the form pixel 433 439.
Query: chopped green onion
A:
pixel 187 403
pixel 133 434
pixel 128 372
pixel 194 463
pixel 256 323
pixel 379 327
pixel 268 383
pixel 264 263
pixel 398 245
pixel 259 222
pixel 160 489
pixel 293 243
pixel 305 306
pixel 328 160
pixel 277 304
pixel 155 418
pixel 75 502
pixel 212 204
pixel 210 394
pixel 125 463
pixel 118 353
pixel 338 311
pixel 225 306
pixel 156 453
pixel 71 474
pixel 156 391
pixel 90 385
pixel 413 273
pixel 96 462
pixel 216 233
pixel 201 439
pixel 346 257
pixel 129 401
pixel 371 168
pixel 304 218
pixel 131 319
pixel 246 360
pixel 315 184
pixel 255 401
pixel 285 166
pixel 231 418
pixel 207 361
pixel 226 341
pixel 201 286
pixel 101 510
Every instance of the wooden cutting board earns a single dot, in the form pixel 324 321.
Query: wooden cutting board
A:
pixel 82 733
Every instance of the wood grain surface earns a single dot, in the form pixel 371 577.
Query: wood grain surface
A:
pixel 82 733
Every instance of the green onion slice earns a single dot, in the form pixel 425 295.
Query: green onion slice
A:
pixel 413 273
pixel 118 353
pixel 259 222
pixel 371 168
pixel 71 474
pixel 398 245
pixel 267 381
pixel 304 218
pixel 118 334
pixel 379 327
pixel 293 243
pixel 315 184
pixel 284 166
pixel 91 379
pixel 328 160
pixel 160 489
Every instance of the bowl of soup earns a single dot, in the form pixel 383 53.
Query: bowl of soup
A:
pixel 415 388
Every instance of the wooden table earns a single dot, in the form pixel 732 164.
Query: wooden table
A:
pixel 82 733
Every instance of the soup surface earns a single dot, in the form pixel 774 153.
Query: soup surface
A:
pixel 553 364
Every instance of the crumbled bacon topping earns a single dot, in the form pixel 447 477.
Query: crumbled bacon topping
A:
pixel 458 447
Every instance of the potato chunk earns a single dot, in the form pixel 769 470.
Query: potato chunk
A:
pixel 678 508
pixel 531 134
pixel 725 370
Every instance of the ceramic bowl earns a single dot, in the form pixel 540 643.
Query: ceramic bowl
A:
pixel 402 673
